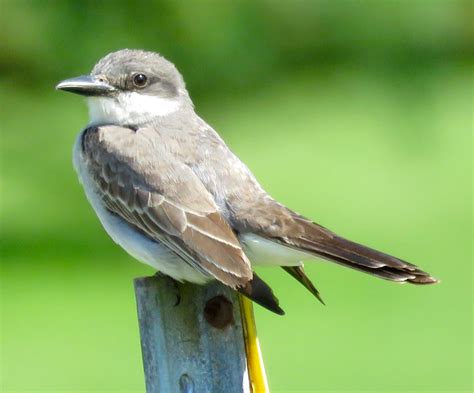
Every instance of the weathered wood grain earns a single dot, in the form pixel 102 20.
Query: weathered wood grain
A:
pixel 191 337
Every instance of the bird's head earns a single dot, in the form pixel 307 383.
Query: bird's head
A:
pixel 130 87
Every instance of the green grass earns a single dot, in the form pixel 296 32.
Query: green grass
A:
pixel 384 161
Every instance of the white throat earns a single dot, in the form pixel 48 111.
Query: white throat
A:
pixel 129 108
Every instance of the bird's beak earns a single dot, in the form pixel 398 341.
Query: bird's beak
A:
pixel 86 85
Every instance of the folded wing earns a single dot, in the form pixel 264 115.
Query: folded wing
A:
pixel 163 199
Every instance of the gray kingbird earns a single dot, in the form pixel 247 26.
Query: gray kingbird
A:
pixel 170 192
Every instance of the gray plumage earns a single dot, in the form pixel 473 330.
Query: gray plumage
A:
pixel 165 185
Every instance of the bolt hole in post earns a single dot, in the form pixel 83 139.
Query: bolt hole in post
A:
pixel 186 384
pixel 218 312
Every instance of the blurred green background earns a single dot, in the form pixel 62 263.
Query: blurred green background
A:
pixel 354 113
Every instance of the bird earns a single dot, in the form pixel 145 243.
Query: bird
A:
pixel 170 192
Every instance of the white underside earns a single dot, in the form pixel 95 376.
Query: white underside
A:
pixel 260 251
pixel 264 252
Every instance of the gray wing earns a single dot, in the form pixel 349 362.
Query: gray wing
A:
pixel 139 180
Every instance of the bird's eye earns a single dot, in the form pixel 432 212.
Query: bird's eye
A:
pixel 140 80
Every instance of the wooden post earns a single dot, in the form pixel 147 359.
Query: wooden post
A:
pixel 192 337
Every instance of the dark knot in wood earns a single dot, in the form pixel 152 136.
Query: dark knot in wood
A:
pixel 218 311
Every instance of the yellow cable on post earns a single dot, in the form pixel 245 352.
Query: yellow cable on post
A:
pixel 256 368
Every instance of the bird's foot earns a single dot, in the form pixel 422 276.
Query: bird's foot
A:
pixel 172 282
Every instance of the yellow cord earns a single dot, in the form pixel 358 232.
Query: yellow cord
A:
pixel 256 369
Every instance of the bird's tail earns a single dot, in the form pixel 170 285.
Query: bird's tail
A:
pixel 259 291
pixel 310 237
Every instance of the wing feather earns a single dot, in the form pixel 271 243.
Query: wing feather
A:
pixel 165 200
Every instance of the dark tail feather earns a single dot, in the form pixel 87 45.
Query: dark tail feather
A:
pixel 373 262
pixel 321 242
pixel 298 273
pixel 258 291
